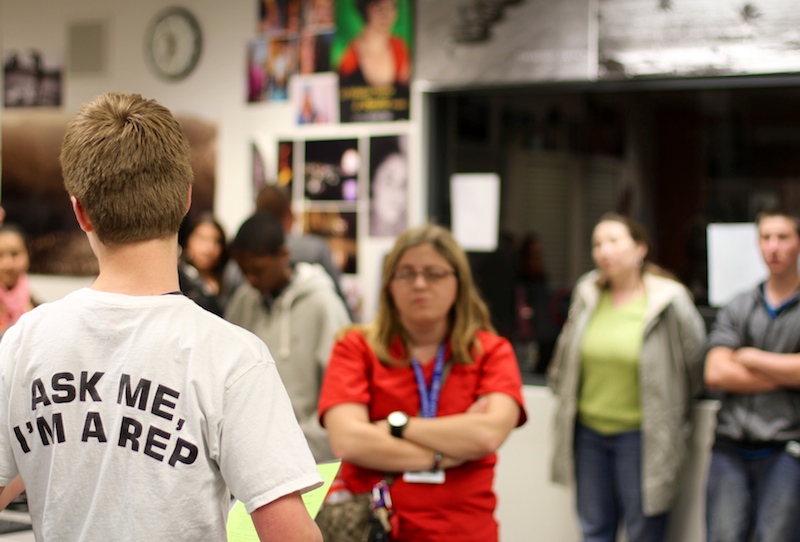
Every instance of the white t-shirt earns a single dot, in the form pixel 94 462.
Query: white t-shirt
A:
pixel 135 418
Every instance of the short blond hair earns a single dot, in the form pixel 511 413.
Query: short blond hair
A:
pixel 127 161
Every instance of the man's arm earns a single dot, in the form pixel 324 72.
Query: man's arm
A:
pixel 783 369
pixel 11 492
pixel 285 519
pixel 723 372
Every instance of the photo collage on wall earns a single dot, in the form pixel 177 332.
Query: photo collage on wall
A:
pixel 31 78
pixel 333 60
pixel 349 189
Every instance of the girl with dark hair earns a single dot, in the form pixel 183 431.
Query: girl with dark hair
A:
pixel 15 291
pixel 202 264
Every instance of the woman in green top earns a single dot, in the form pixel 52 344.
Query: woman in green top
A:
pixel 627 367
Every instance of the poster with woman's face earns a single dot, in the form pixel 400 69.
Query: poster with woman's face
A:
pixel 371 51
pixel 388 185
pixel 331 170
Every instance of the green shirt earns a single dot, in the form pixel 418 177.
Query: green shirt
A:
pixel 608 401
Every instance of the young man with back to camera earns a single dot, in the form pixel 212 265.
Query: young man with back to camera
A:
pixel 294 309
pixel 753 358
pixel 132 413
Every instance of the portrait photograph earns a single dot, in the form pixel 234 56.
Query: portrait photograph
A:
pixel 388 185
pixel 372 53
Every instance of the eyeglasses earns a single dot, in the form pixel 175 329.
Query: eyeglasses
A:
pixel 432 275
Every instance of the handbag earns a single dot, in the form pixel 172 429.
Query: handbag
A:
pixel 351 520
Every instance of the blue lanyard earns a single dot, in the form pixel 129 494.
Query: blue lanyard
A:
pixel 429 397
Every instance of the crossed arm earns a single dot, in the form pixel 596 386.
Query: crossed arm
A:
pixel 750 370
pixel 459 437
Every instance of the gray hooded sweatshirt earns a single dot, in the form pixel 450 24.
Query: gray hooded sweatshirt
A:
pixel 298 327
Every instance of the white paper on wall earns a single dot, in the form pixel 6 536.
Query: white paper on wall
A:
pixel 734 261
pixel 475 210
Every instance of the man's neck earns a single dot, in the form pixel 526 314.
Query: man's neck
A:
pixel 780 287
pixel 139 269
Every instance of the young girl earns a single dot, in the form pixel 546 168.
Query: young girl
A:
pixel 15 293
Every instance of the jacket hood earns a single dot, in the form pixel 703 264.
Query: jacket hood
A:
pixel 660 292
pixel 307 278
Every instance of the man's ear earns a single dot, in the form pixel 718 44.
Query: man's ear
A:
pixel 188 201
pixel 81 215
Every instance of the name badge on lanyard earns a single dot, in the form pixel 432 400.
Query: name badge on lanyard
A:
pixel 429 406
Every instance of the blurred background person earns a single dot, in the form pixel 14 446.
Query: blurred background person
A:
pixel 302 247
pixel 16 299
pixel 627 367
pixel 752 366
pixel 295 310
pixel 427 390
pixel 203 261
pixel 535 308
pixel 15 292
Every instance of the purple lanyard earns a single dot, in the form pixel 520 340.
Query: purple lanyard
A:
pixel 429 397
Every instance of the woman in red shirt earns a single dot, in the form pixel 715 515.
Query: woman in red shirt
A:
pixel 425 395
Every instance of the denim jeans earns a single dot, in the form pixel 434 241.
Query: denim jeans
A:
pixel 749 497
pixel 609 488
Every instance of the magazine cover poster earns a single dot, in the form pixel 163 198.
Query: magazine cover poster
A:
pixel 371 52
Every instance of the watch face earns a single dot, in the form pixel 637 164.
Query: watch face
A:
pixel 174 42
pixel 397 418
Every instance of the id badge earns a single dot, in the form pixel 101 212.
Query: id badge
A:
pixel 424 477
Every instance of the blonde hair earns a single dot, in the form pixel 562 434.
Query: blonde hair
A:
pixel 127 161
pixel 467 316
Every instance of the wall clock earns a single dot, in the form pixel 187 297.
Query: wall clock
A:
pixel 173 43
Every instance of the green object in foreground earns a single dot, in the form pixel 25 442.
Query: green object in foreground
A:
pixel 240 526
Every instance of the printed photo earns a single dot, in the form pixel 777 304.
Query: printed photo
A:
pixel 388 185
pixel 286 164
pixel 31 78
pixel 279 16
pixel 314 98
pixel 271 62
pixel 318 15
pixel 372 54
pixel 331 170
pixel 315 52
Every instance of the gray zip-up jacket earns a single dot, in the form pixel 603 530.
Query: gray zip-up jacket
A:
pixel 670 376
pixel 758 418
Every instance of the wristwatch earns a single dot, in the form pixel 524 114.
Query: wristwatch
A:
pixel 397 422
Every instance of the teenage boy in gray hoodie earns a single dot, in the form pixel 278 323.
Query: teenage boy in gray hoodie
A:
pixel 294 309
pixel 753 359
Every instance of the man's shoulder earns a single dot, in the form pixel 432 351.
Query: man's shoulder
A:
pixel 744 300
